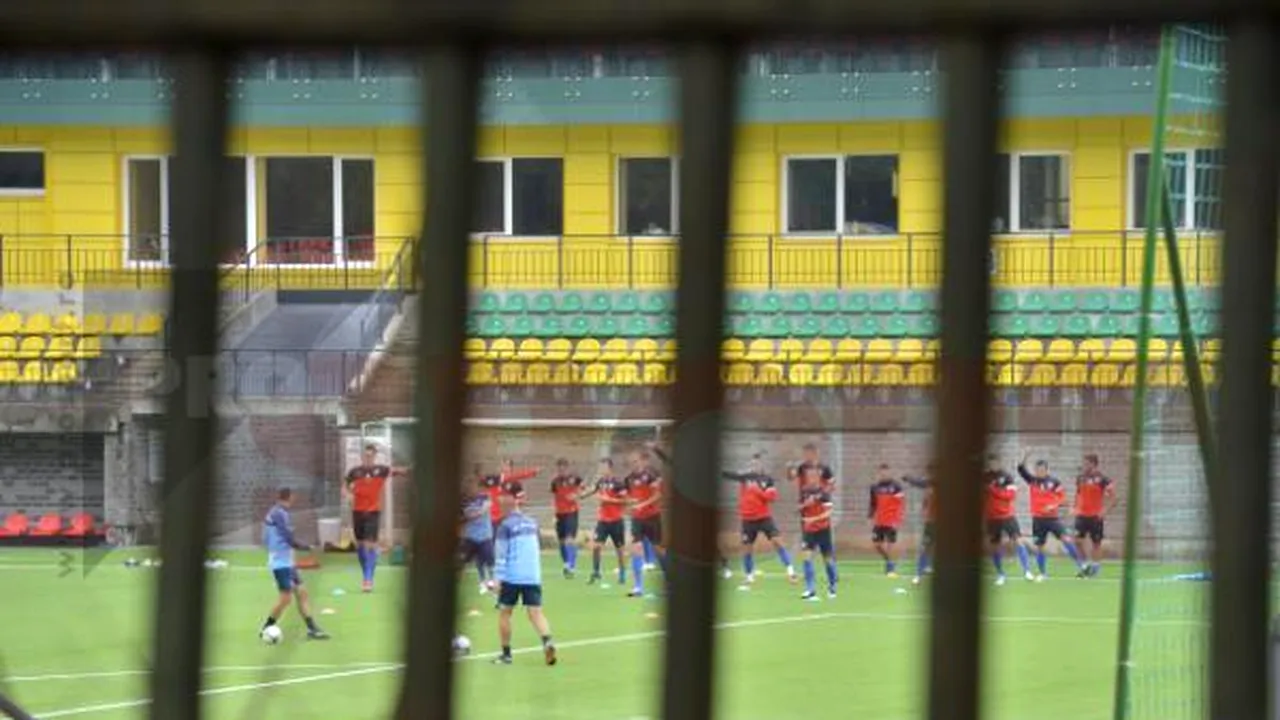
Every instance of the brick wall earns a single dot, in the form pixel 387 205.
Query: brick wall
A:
pixel 44 472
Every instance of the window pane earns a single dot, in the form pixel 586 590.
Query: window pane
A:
pixel 491 202
pixel 299 210
pixel 871 195
pixel 22 171
pixel 1044 192
pixel 357 209
pixel 537 203
pixel 1176 175
pixel 1210 172
pixel 646 196
pixel 811 195
pixel 146 219
pixel 1001 213
pixel 235 211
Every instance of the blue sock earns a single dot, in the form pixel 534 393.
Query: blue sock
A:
pixel 997 559
pixel 784 556
pixel 808 575
pixel 890 566
pixel 832 575
pixel 480 569
pixel 571 556
pixel 564 554
pixel 373 562
pixel 748 563
pixel 922 563
pixel 1073 552
pixel 364 564
pixel 1024 558
pixel 637 570
pixel 1040 561
pixel 648 552
pixel 595 562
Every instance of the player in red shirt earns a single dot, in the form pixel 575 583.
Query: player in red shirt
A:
pixel 885 509
pixel 1003 531
pixel 363 487
pixel 756 495
pixel 644 488
pixel 1047 494
pixel 611 493
pixel 565 488
pixel 1095 497
pixel 816 508
pixel 509 480
pixel 811 459
pixel 929 508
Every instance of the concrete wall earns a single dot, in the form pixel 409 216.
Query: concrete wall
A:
pixel 44 472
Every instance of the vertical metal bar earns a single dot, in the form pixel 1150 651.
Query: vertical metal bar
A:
pixel 451 100
pixel 1242 521
pixel 971 105
pixel 200 116
pixel 707 98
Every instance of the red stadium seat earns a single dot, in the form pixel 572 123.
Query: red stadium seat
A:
pixel 81 525
pixel 15 525
pixel 49 525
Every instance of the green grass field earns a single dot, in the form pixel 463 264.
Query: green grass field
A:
pixel 74 643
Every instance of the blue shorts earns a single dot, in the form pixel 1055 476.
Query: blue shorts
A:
pixel 509 595
pixel 287 578
pixel 819 540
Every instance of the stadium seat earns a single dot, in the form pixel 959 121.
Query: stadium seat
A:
pixel 1077 326
pixel 549 326
pixel 739 374
pixel 511 373
pixel 1074 375
pixel 82 525
pixel 521 326
pixel 732 350
pixel 800 375
pixel 827 303
pixel 749 327
pixel 808 327
pixel 1045 326
pixel 1211 351
pixel 31 348
pixel 920 375
pixel 37 323
pixel 760 351
pixel 779 327
pixel 799 303
pixel 10 323
pixel 818 351
pixel 1005 301
pixel 923 325
pixel 600 303
pixel 644 350
pixel 888 375
pixel 1107 326
pixel 1125 302
pixel 836 327
pixel 490 326
pixel 659 303
pixel 615 351
pixel 636 327
pixel 769 304
pixel 64 372
pixel 606 327
pixel 480 373
pixel 1090 351
pixel 918 302
pixel 586 351
pixel 895 326
pixel 790 350
pixel 655 373
pixel 557 350
pixel 1105 376
pixel 667 351
pixel 1034 302
pixel 570 304
pixel 529 350
pixel 742 303
pixel 8 372
pixel 500 349
pixel 49 525
pixel 664 326
pixel 15 525
pixel 60 347
pixel 1028 351
pixel 488 304
pixel 884 303
pixel 909 351
pixel 88 347
pixel 1158 350
pixel 1060 351
pixel 473 349
pixel 565 374
pixel 848 350
pixel 626 374
pixel 626 304
pixel 857 374
pixel 150 324
pixel 33 373
pixel 595 374
pixel 1011 375
pixel 8 347
pixel 1063 302
pixel 830 375
pixel 867 326
pixel 878 351
pixel 933 348
pixel 1095 301
pixel 999 351
pixel 515 304
pixel 1123 350
pixel 543 303
pixel 1042 376
pixel 66 324
pixel 1012 326
pixel 770 375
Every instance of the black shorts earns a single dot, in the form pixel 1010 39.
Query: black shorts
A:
pixel 567 526
pixel 819 540
pixel 648 528
pixel 510 595
pixel 612 530
pixel 884 534
pixel 751 529
pixel 1090 527
pixel 287 579
pixel 1042 528
pixel 365 525
pixel 927 534
pixel 480 550
pixel 999 529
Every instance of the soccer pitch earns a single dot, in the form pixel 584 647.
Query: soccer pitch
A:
pixel 76 644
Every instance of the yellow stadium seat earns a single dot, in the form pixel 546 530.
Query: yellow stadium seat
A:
pixel 848 351
pixel 1275 375
pixel 1212 350
pixel 586 351
pixel 667 353
pixel 770 375
pixel 1275 349
pixel 739 374
pixel 565 374
pixel 500 350
pixel 1127 377
pixel 644 350
pixel 60 348
pixel 1011 375
pixel 473 349
pixel 1028 351
pixel 1209 372
pixel 558 350
pixel 790 350
pixel 8 347
pixel 1060 351
pixel 615 351
pixel 595 374
pixel 800 375
pixel 626 374
pixel 888 375
pixel 1043 376
pixel 856 374
pixel 121 324
pixel 31 348
pixel 732 350
pixel 37 324
pixel 909 351
pixel 933 348
pixel 1175 351
pixel 480 373
pixel 1074 375
pixel 538 374
pixel 8 372
pixel 1166 375
pixel 510 373
pixel 878 351
pixel 88 347
pixel 530 350
pixel 760 351
pixel 66 372
pixel 10 323
pixel 1105 376
pixel 66 324
pixel 655 373
pixel 819 351
pixel 94 324
pixel 1158 350
pixel 151 323
pixel 920 375
pixel 1091 351
pixel 830 375
pixel 32 373
pixel 999 351
pixel 1123 350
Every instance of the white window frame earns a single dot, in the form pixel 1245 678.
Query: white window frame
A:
pixel 1015 192
pixel 619 200
pixel 339 241
pixel 27 192
pixel 251 197
pixel 1188 224
pixel 508 201
pixel 841 219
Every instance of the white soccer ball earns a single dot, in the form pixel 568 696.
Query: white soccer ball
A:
pixel 272 634
pixel 461 645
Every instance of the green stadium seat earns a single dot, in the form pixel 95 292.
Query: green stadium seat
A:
pixel 918 302
pixel 551 326
pixel 923 326
pixel 1045 326
pixel 895 327
pixel 664 326
pixel 742 303
pixel 626 303
pixel 1095 301
pixel 836 327
pixel 1005 301
pixel 606 327
pixel 472 325
pixel 578 327
pixel 1013 326
pixel 1211 300
pixel 516 303
pixel 808 327
pixel 1129 326
pixel 1063 302
pixel 488 303
pixel 857 302
pixel 884 302
pixel 769 304
pixel 1125 301
pixel 1163 301
pixel 1165 326
pixel 1034 302
pixel 522 326
pixel 571 303
pixel 749 327
pixel 867 326
pixel 492 326
pixel 1077 326
pixel 543 303
pixel 1204 325
pixel 828 302
pixel 600 303
pixel 799 303
pixel 1107 326
pixel 659 303
pixel 636 327
pixel 1195 300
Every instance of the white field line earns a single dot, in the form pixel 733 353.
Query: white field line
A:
pixel 53 677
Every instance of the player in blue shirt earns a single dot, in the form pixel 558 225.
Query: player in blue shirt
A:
pixel 277 535
pixel 477 537
pixel 518 547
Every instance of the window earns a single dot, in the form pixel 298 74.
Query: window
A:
pixel 647 188
pixel 1195 188
pixel 521 196
pixel 147 215
pixel 316 210
pixel 850 195
pixel 1033 193
pixel 21 172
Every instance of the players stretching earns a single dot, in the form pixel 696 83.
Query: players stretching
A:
pixel 756 495
pixel 929 508
pixel 1047 495
pixel 1003 531
pixel 477 538
pixel 519 570
pixel 644 490
pixel 816 508
pixel 277 532
pixel 565 488
pixel 611 492
pixel 363 487
pixel 811 459
pixel 885 510
pixel 1095 497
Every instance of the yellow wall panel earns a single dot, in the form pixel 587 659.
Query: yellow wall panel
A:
pixel 803 139
pixel 536 141
pixel 1099 131
pixel 397 169
pixel 397 140
pixel 342 141
pixel 868 138
pixel 1037 134
pixel 921 135
pixel 754 139
pixel 588 138
pixel 80 168
pixel 642 140
pixel 144 141
pixel 588 169
pixel 79 139
pixel 9 224
pixel 398 199
pixel 278 141
pixel 8 134
pixel 85 198
pixel 747 222
pixel 1098 162
pixel 578 223
pixel 919 165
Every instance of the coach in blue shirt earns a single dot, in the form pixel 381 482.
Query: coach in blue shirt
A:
pixel 518 547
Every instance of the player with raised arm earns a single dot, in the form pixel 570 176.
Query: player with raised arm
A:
pixel 1047 495
pixel 565 488
pixel 885 510
pixel 508 477
pixel 644 490
pixel 477 537
pixel 363 487
pixel 1095 497
pixel 1003 531
pixel 611 494
pixel 757 492
pixel 928 509
pixel 816 509
pixel 811 459
pixel 519 569
pixel 277 535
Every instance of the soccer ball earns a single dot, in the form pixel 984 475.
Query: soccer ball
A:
pixel 461 646
pixel 272 634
